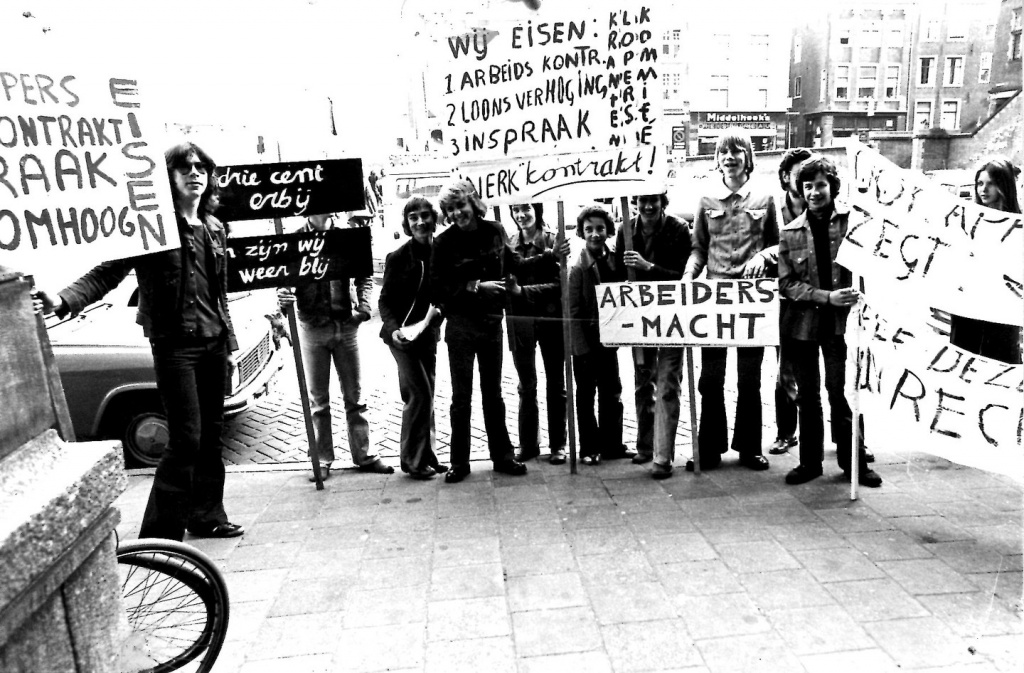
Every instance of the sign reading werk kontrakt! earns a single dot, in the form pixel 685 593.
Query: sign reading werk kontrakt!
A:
pixel 740 312
pixel 301 188
pixel 297 259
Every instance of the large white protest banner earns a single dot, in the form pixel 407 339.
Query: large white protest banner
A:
pixel 927 395
pixel 740 312
pixel 81 181
pixel 929 248
pixel 561 105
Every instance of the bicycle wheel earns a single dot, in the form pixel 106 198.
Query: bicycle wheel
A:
pixel 177 606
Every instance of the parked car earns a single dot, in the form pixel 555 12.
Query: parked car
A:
pixel 106 368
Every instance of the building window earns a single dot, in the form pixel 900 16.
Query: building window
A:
pixel 798 47
pixel 870 45
pixel 723 44
pixel 894 45
pixel 926 71
pixel 892 81
pixel 842 82
pixel 719 92
pixel 922 115
pixel 950 114
pixel 798 87
pixel 867 81
pixel 759 48
pixel 985 67
pixel 954 71
pixel 822 85
pixel 958 22
pixel 664 49
pixel 932 30
pixel 1013 52
pixel 844 36
pixel 676 34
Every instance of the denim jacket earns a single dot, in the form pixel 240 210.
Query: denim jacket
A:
pixel 167 286
pixel 798 277
pixel 731 228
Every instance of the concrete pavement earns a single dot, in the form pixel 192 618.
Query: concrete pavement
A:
pixel 610 570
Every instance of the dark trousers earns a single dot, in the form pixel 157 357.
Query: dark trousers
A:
pixel 785 397
pixel 597 374
pixel 468 341
pixel 548 335
pixel 416 369
pixel 804 355
pixel 713 432
pixel 188 490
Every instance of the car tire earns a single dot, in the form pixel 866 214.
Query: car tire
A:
pixel 143 432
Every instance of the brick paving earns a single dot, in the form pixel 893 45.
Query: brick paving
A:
pixel 607 570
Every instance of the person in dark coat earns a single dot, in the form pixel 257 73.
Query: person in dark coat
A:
pixel 183 310
pixel 410 328
pixel 535 320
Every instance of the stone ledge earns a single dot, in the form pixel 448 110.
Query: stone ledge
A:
pixel 51 492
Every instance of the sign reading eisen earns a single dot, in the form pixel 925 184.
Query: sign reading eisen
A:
pixel 721 312
pixel 82 178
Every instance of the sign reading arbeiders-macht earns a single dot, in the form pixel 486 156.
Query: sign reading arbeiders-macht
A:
pixel 82 177
pixel 741 312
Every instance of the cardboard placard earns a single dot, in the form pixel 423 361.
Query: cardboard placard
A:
pixel 289 189
pixel 82 173
pixel 726 312
pixel 290 260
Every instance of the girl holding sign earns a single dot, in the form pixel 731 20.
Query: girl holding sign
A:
pixel 183 309
pixel 995 187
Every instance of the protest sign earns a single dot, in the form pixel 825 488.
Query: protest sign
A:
pixel 931 396
pixel 303 188
pixel 721 312
pixel 625 171
pixel 289 260
pixel 82 176
pixel 929 247
pixel 565 90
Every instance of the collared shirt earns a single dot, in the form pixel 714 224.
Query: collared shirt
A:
pixel 320 303
pixel 542 294
pixel 667 248
pixel 730 228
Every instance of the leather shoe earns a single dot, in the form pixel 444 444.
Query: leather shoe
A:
pixel 325 473
pixel 377 467
pixel 660 471
pixel 456 473
pixel 510 467
pixel 221 530
pixel 440 468
pixel 557 457
pixel 755 462
pixel 801 474
pixel 868 456
pixel 592 459
pixel 866 477
pixel 524 456
pixel 618 453
pixel 641 458
pixel 704 465
pixel 422 475
pixel 782 445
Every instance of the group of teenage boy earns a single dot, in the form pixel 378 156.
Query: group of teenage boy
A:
pixel 476 278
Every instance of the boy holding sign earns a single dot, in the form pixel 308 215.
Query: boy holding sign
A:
pixel 820 297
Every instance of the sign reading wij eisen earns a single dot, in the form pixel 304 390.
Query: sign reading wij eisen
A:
pixel 740 312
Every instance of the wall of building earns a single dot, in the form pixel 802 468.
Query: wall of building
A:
pixel 1002 135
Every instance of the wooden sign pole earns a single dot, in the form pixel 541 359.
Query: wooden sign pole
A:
pixel 563 273
pixel 300 370
pixel 693 410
